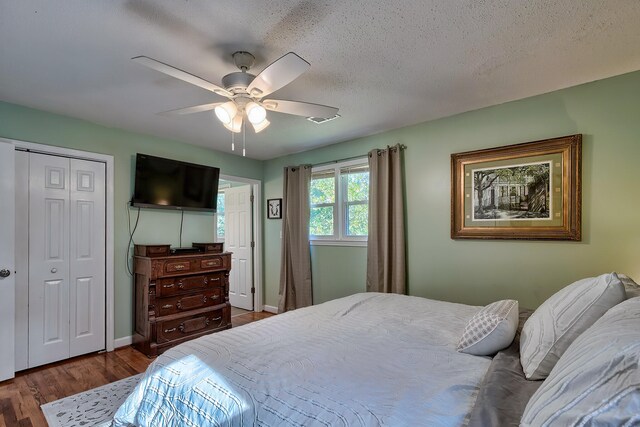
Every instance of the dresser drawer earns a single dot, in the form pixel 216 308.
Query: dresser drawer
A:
pixel 209 263
pixel 179 285
pixel 182 303
pixel 179 328
pixel 183 266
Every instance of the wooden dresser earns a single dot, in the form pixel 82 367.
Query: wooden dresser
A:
pixel 178 297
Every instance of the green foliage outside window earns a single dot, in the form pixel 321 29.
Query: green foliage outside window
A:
pixel 357 215
pixel 354 210
pixel 322 191
pixel 321 221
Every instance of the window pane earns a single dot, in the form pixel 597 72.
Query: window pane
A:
pixel 357 186
pixel 323 189
pixel 220 203
pixel 220 226
pixel 357 220
pixel 321 222
pixel 220 212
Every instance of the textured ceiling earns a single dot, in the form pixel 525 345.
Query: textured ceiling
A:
pixel 385 64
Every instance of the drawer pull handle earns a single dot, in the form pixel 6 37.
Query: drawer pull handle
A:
pixel 168 286
pixel 179 266
pixel 204 299
pixel 167 306
pixel 216 319
pixel 181 284
pixel 217 279
pixel 166 331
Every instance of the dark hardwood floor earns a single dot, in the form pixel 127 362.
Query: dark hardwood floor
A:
pixel 21 397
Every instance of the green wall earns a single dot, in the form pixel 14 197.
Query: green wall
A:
pixel 155 226
pixel 606 112
pixel 476 272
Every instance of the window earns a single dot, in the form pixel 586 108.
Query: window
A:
pixel 220 217
pixel 339 198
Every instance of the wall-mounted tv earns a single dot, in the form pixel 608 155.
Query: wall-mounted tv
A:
pixel 170 184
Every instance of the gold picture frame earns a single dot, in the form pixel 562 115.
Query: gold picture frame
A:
pixel 530 191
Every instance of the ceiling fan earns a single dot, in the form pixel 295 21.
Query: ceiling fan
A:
pixel 246 91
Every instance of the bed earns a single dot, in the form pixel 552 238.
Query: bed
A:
pixel 365 360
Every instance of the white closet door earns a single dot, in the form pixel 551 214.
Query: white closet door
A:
pixel 7 267
pixel 87 257
pixel 22 260
pixel 48 259
pixel 237 239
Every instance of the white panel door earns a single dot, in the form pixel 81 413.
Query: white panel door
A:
pixel 7 261
pixel 22 260
pixel 87 257
pixel 237 239
pixel 48 259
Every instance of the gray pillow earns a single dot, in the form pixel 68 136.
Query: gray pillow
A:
pixel 597 381
pixel 491 329
pixel 631 288
pixel 562 317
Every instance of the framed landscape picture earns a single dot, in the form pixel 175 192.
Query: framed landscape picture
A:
pixel 524 191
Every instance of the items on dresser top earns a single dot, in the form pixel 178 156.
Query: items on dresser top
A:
pixel 179 296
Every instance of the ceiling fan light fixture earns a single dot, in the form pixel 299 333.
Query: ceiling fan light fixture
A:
pixel 255 113
pixel 258 127
pixel 235 125
pixel 226 112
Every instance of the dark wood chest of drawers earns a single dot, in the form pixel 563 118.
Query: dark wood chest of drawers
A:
pixel 179 297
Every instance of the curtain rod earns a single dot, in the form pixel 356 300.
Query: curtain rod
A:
pixel 402 147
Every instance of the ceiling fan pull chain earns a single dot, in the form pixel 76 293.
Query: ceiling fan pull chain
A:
pixel 244 136
pixel 233 145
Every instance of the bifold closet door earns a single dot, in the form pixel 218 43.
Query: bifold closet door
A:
pixel 87 257
pixel 48 259
pixel 66 258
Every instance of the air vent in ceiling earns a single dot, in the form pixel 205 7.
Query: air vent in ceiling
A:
pixel 320 120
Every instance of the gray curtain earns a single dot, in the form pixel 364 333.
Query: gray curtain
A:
pixel 386 243
pixel 295 268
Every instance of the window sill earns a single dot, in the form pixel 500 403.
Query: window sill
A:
pixel 355 243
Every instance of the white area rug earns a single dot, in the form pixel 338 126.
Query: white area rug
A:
pixel 90 408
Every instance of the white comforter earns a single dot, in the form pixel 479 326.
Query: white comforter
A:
pixel 364 360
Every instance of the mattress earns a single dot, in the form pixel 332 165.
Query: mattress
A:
pixel 364 360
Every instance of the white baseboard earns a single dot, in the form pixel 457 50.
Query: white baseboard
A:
pixel 271 309
pixel 123 342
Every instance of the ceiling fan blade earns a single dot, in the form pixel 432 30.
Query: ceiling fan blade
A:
pixel 300 108
pixel 189 110
pixel 179 74
pixel 279 74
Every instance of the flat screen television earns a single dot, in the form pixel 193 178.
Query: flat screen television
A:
pixel 170 184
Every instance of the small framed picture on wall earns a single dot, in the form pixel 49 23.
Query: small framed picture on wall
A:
pixel 274 208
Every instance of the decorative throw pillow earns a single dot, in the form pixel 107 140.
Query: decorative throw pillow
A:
pixel 631 288
pixel 561 318
pixel 597 380
pixel 491 329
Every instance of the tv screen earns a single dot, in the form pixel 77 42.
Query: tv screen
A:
pixel 170 184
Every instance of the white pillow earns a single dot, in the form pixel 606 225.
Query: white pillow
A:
pixel 597 381
pixel 491 329
pixel 561 318
pixel 631 288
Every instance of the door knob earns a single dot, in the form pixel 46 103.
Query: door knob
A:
pixel 5 273
pixel 54 270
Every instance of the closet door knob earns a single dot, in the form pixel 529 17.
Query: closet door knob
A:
pixel 5 273
pixel 54 270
